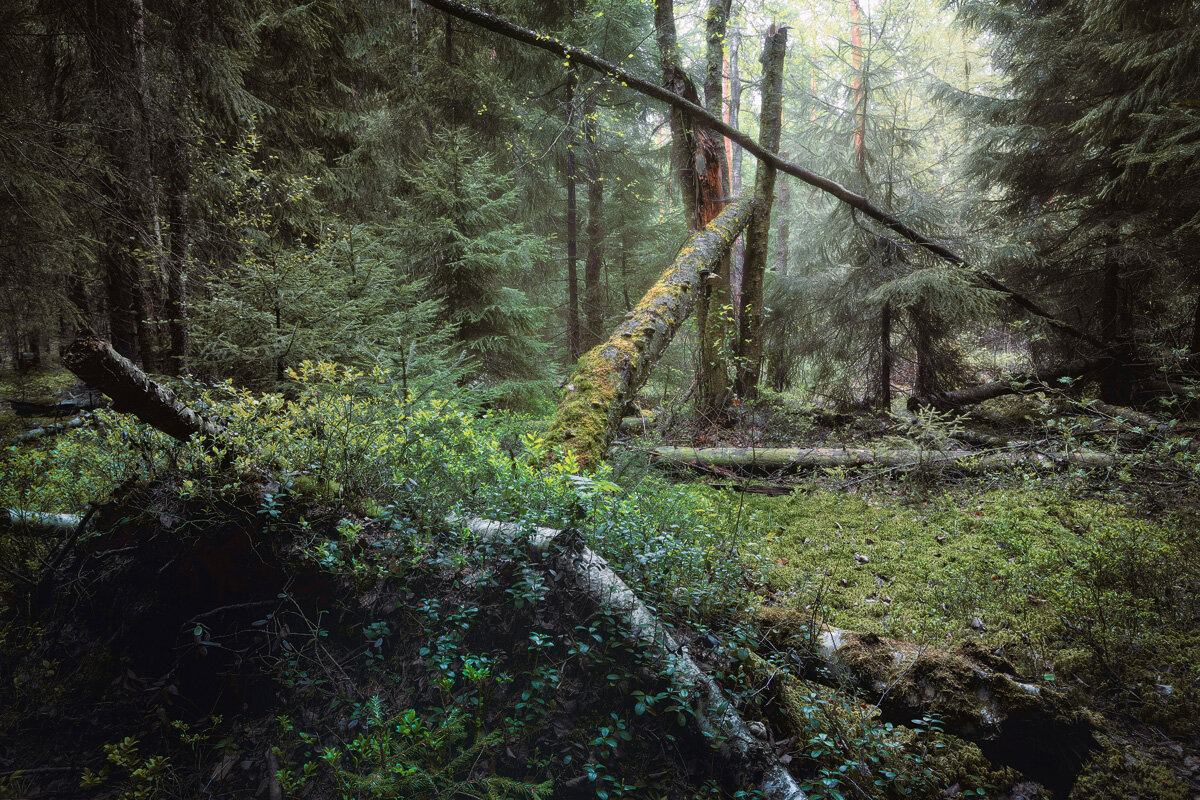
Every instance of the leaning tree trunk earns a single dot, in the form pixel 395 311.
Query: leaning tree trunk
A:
pixel 749 340
pixel 610 374
pixel 95 362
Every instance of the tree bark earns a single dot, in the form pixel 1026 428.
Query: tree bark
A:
pixel 1018 384
pixel 611 373
pixel 96 363
pixel 593 291
pixel 684 104
pixel 749 341
pixel 753 760
pixel 180 229
pixel 574 341
pixel 782 228
pixel 1029 727
pixel 885 357
pixel 790 459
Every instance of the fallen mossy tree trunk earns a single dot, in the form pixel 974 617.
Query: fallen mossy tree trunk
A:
pixel 1018 384
pixel 610 374
pixel 752 759
pixel 786 459
pixel 975 696
pixel 97 364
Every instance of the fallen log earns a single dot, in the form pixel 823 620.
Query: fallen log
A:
pixel 608 375
pixel 1031 728
pixel 753 760
pixel 50 430
pixel 1050 377
pixel 38 522
pixel 132 392
pixel 790 459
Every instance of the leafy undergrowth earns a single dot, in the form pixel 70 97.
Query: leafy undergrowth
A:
pixel 296 616
pixel 1075 589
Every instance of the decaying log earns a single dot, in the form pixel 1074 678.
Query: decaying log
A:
pixel 1018 384
pixel 132 392
pixel 751 758
pixel 788 459
pixel 39 522
pixel 1029 727
pixel 608 375
pixel 50 430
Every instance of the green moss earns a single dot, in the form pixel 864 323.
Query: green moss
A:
pixel 1118 772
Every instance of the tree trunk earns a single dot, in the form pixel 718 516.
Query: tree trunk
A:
pixel 593 291
pixel 783 227
pixel 574 341
pixel 116 41
pixel 749 341
pixel 96 363
pixel 180 229
pixel 610 374
pixel 789 459
pixel 1030 727
pixel 712 312
pixel 736 158
pixel 885 357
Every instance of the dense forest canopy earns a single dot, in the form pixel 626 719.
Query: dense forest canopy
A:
pixel 415 303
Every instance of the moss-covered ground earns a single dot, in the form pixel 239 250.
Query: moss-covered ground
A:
pixel 1078 589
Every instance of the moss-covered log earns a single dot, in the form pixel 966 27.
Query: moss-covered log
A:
pixel 611 373
pixel 787 459
pixel 1015 723
pixel 97 364
pixel 750 757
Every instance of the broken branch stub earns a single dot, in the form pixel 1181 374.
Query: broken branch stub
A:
pixel 611 373
pixel 95 362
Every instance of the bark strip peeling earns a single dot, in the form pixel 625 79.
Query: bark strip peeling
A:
pixel 610 374
pixel 95 363
pixel 751 758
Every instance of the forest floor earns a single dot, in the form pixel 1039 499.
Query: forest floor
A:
pixel 1083 580
pixel 238 640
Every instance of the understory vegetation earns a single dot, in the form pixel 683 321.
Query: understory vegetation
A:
pixel 356 642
